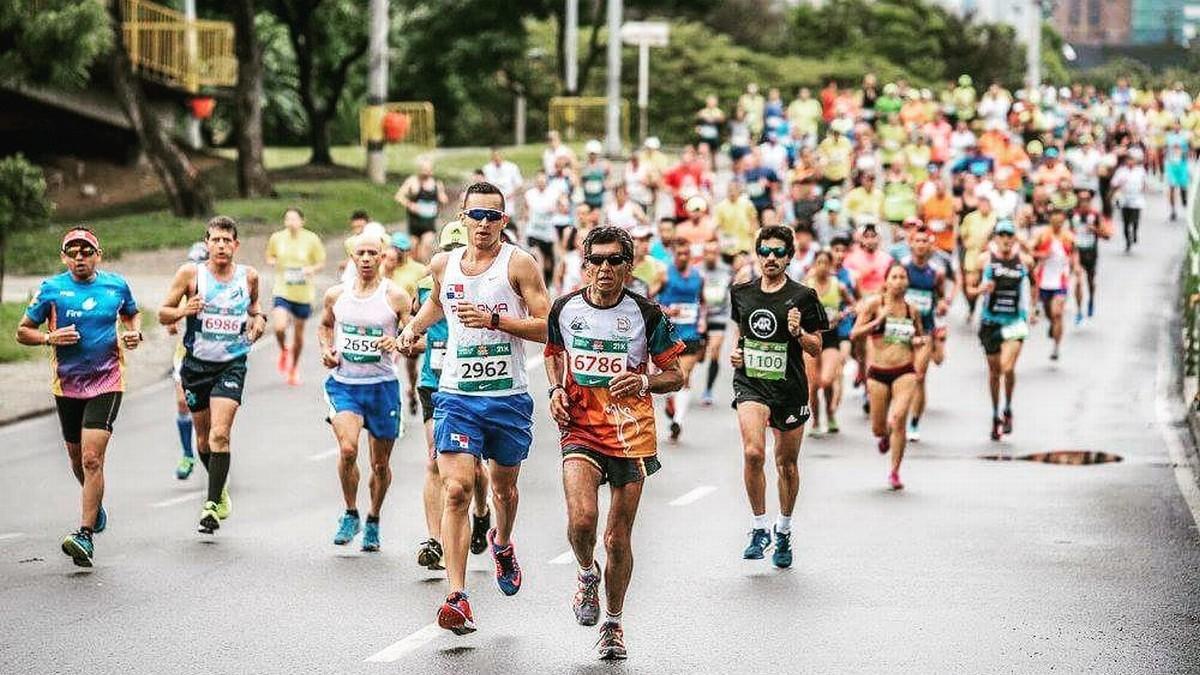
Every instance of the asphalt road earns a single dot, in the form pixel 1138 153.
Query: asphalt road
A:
pixel 978 566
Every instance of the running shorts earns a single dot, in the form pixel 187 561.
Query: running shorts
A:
pixel 1088 258
pixel 1048 294
pixel 377 403
pixel 990 337
pixel 830 340
pixel 205 380
pixel 425 395
pixel 783 416
pixel 499 428
pixel 300 310
pixel 417 226
pixel 616 471
pixel 77 414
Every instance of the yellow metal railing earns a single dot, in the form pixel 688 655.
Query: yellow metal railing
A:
pixel 420 130
pixel 164 46
pixel 578 118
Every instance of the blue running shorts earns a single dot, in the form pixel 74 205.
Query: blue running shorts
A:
pixel 489 427
pixel 378 403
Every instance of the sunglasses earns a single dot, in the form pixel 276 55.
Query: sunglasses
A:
pixel 613 259
pixel 778 251
pixel 490 215
pixel 77 251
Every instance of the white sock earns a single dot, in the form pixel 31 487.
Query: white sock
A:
pixel 681 404
pixel 591 569
pixel 783 524
pixel 760 522
pixel 609 617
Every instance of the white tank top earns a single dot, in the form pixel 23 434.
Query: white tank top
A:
pixel 218 332
pixel 359 323
pixel 621 217
pixel 481 361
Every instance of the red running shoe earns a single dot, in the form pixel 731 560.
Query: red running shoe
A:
pixel 455 614
pixel 885 444
pixel 284 362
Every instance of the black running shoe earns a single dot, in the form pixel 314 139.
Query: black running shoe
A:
pixel 479 529
pixel 997 428
pixel 1007 421
pixel 675 431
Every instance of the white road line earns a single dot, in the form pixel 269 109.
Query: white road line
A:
pixel 563 558
pixel 11 535
pixel 185 497
pixel 694 495
pixel 324 454
pixel 405 645
pixel 534 361
pixel 1167 417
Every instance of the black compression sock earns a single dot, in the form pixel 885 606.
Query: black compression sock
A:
pixel 204 458
pixel 713 366
pixel 218 472
pixel 85 531
pixel 352 512
pixel 372 519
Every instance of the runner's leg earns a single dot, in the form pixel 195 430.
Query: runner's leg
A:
pixel 93 446
pixel 381 473
pixel 581 481
pixel 787 465
pixel 902 394
pixel 347 426
pixel 458 481
pixel 752 422
pixel 504 499
pixel 618 561
pixel 221 411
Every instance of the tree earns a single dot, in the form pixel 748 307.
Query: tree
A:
pixel 52 42
pixel 185 189
pixel 23 203
pixel 248 102
pixel 328 37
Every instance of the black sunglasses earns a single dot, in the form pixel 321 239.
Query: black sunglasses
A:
pixel 779 251
pixel 77 251
pixel 613 259
pixel 490 215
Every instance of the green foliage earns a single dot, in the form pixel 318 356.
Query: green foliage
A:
pixel 10 349
pixel 23 202
pixel 51 41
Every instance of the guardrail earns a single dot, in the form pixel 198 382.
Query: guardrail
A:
pixel 1191 289
pixel 163 45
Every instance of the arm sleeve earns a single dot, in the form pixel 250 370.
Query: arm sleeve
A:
pixel 39 307
pixel 663 344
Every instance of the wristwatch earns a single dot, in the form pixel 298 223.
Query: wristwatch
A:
pixel 551 390
pixel 495 322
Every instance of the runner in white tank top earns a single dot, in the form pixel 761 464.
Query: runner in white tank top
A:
pixel 493 298
pixel 357 335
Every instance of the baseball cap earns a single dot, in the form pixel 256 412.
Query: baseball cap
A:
pixel 80 235
pixel 401 241
pixel 652 143
pixel 1051 152
pixel 593 147
pixel 454 233
pixel 696 203
pixel 1005 227
pixel 641 232
pixel 197 253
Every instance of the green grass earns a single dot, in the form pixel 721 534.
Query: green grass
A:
pixel 10 350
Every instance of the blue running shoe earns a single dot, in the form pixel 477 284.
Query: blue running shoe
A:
pixel 370 540
pixel 348 526
pixel 79 547
pixel 101 520
pixel 760 541
pixel 508 571
pixel 782 558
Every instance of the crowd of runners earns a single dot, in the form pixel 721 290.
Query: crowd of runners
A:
pixel 809 248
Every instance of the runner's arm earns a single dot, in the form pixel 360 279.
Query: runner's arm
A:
pixel 863 325
pixel 325 327
pixel 526 277
pixel 258 321
pixel 173 309
pixel 271 256
pixel 432 311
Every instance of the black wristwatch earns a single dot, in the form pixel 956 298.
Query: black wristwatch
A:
pixel 495 322
pixel 550 392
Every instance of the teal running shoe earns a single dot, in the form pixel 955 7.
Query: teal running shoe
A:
pixel 782 558
pixel 348 526
pixel 760 541
pixel 370 539
pixel 101 520
pixel 184 468
pixel 79 547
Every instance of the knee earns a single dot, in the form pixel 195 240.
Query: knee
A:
pixel 582 526
pixel 218 438
pixel 504 494
pixel 616 544
pixel 91 461
pixel 348 453
pixel 895 420
pixel 754 457
pixel 380 468
pixel 457 495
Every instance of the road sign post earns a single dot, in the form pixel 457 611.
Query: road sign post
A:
pixel 644 34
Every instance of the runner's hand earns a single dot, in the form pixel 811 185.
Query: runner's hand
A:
pixel 329 358
pixel 625 384
pixel 408 338
pixel 560 404
pixel 172 329
pixel 943 306
pixel 130 339
pixel 387 343
pixel 987 287
pixel 793 319
pixel 255 329
pixel 67 335
pixel 735 357
pixel 193 306
pixel 471 316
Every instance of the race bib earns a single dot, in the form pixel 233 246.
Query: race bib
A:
pixel 714 294
pixel 708 131
pixel 437 355
pixel 593 186
pixel 831 315
pixel 755 189
pixel 921 299
pixel 359 344
pixel 686 313
pixel 1015 331
pixel 594 362
pixel 217 326
pixel 1085 238
pixel 765 360
pixel 937 225
pixel 426 209
pixel 898 331
pixel 294 276
pixel 485 367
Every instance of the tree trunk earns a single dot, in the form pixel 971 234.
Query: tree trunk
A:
pixel 181 181
pixel 319 138
pixel 253 180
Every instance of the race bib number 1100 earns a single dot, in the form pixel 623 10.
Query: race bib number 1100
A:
pixel 765 360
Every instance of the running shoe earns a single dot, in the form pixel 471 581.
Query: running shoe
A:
pixel 1007 421
pixel 348 526
pixel 101 520
pixel 293 377
pixel 184 468
pixel 706 399
pixel 914 434
pixel 586 602
pixel 1054 353
pixel 782 558
pixel 997 428
pixel 884 444
pixel 209 522
pixel 79 547
pixel 676 430
pixel 832 426
pixel 412 405
pixel 455 614
pixel 284 362
pixel 1091 308
pixel 1078 317
pixel 225 505
pixel 479 529
pixel 670 407
pixel 508 570
pixel 760 541
pixel 611 644
pixel 430 554
pixel 370 539
pixel 894 481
